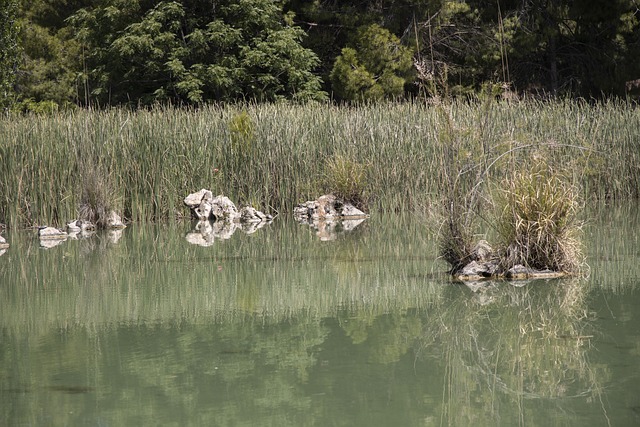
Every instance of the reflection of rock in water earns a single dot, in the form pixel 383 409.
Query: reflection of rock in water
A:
pixel 51 243
pixel 202 234
pixel 114 235
pixel 205 233
pixel 252 227
pixel 328 229
pixel 2 251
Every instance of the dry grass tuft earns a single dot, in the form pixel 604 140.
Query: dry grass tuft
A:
pixel 537 221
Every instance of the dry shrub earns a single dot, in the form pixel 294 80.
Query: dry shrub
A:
pixel 537 221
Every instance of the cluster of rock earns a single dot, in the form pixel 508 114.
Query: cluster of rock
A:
pixel 327 207
pixel 218 218
pixel 329 216
pixel 484 264
pixel 52 236
pixel 205 207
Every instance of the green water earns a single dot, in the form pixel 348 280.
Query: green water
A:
pixel 283 327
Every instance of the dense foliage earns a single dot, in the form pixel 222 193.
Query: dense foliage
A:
pixel 109 52
pixel 8 49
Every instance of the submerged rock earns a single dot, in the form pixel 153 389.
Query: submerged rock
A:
pixel 519 272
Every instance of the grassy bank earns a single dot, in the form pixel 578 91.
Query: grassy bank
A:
pixel 275 156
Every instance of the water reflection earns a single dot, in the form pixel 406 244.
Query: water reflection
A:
pixel 330 229
pixel 205 233
pixel 530 343
pixel 278 328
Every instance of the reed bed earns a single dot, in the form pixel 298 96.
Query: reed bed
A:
pixel 276 155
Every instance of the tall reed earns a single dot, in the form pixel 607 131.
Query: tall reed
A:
pixel 152 158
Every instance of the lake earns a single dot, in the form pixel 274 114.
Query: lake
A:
pixel 292 326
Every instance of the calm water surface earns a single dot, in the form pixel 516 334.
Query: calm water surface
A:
pixel 291 326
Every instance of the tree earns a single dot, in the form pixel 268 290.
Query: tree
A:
pixel 376 67
pixel 193 51
pixel 9 50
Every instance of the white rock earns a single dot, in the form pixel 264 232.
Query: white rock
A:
pixel 51 233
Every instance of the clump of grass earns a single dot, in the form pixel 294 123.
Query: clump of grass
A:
pixel 347 180
pixel 537 220
pixel 242 133
pixel 98 196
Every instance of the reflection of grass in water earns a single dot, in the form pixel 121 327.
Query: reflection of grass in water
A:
pixel 529 343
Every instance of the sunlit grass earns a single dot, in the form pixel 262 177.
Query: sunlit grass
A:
pixel 537 221
pixel 276 156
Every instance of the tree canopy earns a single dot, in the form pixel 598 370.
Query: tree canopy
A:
pixel 138 52
pixel 9 49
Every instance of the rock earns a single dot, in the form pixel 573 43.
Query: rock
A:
pixel 205 207
pixel 3 243
pixel 81 226
pixel 193 200
pixel 51 233
pixel 249 214
pixel 202 211
pixel 114 221
pixel 51 237
pixel 474 271
pixel 222 208
pixel 482 251
pixel 327 206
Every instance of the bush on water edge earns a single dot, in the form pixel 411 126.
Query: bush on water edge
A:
pixel 391 156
